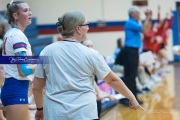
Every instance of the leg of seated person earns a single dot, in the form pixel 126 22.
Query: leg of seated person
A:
pixel 142 75
pixel 163 54
pixel 139 85
pixel 148 71
pixel 118 68
pixel 144 80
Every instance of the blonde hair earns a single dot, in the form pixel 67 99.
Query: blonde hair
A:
pixel 12 8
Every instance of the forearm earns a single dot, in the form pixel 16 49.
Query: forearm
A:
pixel 38 97
pixel 38 91
pixel 116 83
pixel 146 26
pixel 120 87
pixel 25 70
pixel 22 68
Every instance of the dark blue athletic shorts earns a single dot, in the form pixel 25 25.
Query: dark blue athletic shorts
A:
pixel 14 92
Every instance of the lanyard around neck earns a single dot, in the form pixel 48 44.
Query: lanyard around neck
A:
pixel 69 41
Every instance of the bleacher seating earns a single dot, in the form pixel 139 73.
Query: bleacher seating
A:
pixel 38 49
pixel 40 41
pixel 31 30
pixel 37 44
pixel 106 103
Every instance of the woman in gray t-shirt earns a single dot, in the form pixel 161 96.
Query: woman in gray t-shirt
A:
pixel 69 75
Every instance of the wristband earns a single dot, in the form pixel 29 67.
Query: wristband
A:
pixel 40 108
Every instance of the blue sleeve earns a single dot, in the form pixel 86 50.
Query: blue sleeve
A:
pixel 134 26
pixel 25 71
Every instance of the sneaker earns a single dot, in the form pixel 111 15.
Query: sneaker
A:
pixel 124 101
pixel 146 89
pixel 140 92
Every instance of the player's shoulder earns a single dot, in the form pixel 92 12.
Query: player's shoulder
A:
pixel 12 32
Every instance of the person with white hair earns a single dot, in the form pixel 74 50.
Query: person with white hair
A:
pixel 129 56
pixel 88 43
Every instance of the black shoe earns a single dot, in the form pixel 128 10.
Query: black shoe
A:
pixel 140 102
pixel 124 101
pixel 146 89
pixel 142 92
pixel 138 91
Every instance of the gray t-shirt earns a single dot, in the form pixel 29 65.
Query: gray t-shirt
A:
pixel 70 93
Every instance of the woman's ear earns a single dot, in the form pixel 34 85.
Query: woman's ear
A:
pixel 15 16
pixel 78 29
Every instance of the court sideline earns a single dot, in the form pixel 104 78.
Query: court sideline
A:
pixel 161 104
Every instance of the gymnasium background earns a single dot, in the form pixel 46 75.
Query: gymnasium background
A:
pixel 113 12
pixel 106 18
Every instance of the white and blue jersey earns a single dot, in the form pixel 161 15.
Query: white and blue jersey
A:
pixel 15 88
pixel 15 41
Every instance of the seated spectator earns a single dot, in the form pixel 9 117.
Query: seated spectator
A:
pixel 118 48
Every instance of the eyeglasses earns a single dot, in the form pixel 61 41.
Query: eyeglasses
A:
pixel 87 24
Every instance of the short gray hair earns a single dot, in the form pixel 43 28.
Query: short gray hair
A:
pixel 68 22
pixel 132 10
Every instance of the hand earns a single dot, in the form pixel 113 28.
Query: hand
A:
pixel 39 115
pixel 135 105
pixel 101 95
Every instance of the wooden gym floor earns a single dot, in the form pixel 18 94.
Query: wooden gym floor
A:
pixel 162 104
